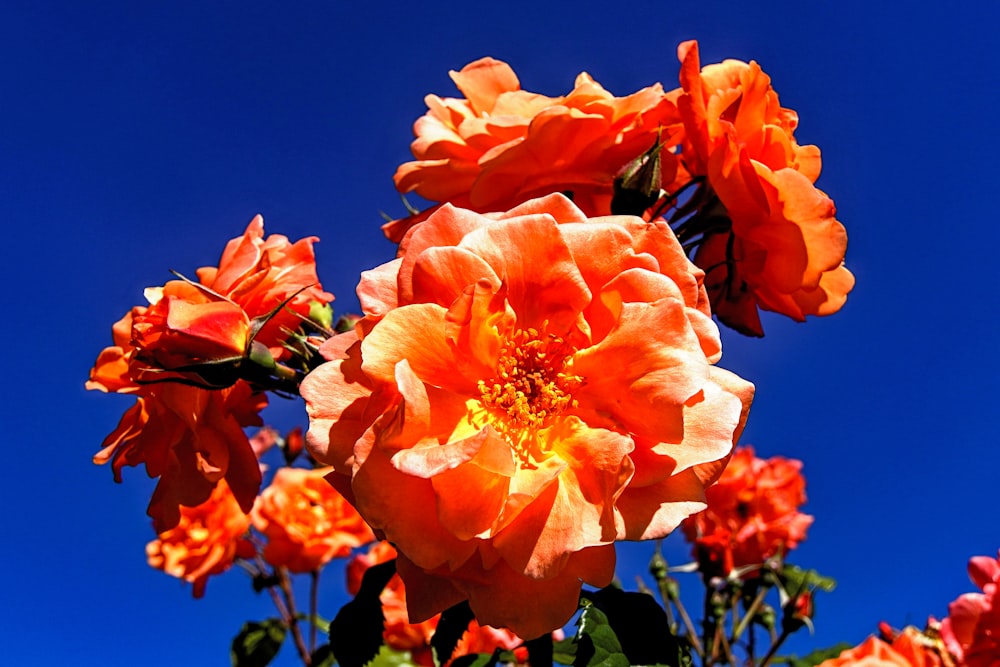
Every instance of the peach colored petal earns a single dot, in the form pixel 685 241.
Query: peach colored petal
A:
pixel 549 287
pixel 483 80
pixel 377 289
pixel 415 333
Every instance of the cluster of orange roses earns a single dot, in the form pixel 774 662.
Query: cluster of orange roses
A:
pixel 532 380
pixel 729 174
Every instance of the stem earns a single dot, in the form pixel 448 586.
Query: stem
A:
pixel 293 621
pixel 689 627
pixel 750 613
pixel 720 635
pixel 774 647
pixel 669 594
pixel 313 606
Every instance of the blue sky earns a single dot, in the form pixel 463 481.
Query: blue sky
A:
pixel 139 137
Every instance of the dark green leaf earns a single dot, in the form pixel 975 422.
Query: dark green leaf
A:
pixel 597 645
pixel 453 624
pixel 814 658
pixel 639 623
pixel 257 643
pixel 564 651
pixel 356 632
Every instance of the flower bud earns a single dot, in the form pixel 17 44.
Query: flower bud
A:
pixel 637 186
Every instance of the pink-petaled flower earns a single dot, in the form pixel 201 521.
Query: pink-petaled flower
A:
pixel 205 541
pixel 752 514
pixel 972 629
pixel 306 522
pixel 560 366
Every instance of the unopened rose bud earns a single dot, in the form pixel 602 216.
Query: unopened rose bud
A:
pixel 321 314
pixel 293 445
pixel 798 612
pixel 346 323
pixel 765 616
pixel 637 186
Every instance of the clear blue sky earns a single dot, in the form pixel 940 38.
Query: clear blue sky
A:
pixel 139 136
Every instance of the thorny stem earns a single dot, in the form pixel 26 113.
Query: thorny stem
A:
pixel 293 621
pixel 286 606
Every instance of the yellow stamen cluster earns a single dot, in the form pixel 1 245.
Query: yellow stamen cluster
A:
pixel 531 385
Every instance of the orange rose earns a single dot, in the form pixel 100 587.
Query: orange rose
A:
pixel 500 145
pixel 185 328
pixel 259 274
pixel 562 368
pixel 752 513
pixel 972 629
pixel 775 243
pixel 188 436
pixel 205 541
pixel 908 649
pixel 400 634
pixel 306 522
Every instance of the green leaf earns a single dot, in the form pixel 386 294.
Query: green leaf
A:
pixel 640 624
pixel 797 579
pixel 564 651
pixel 814 658
pixel 597 645
pixel 322 657
pixel 257 643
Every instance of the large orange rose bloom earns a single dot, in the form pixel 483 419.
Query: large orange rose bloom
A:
pixel 401 635
pixel 972 629
pixel 559 366
pixel 500 145
pixel 206 541
pixel 752 514
pixel 783 248
pixel 188 436
pixel 306 522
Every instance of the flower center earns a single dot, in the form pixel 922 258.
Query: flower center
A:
pixel 531 386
